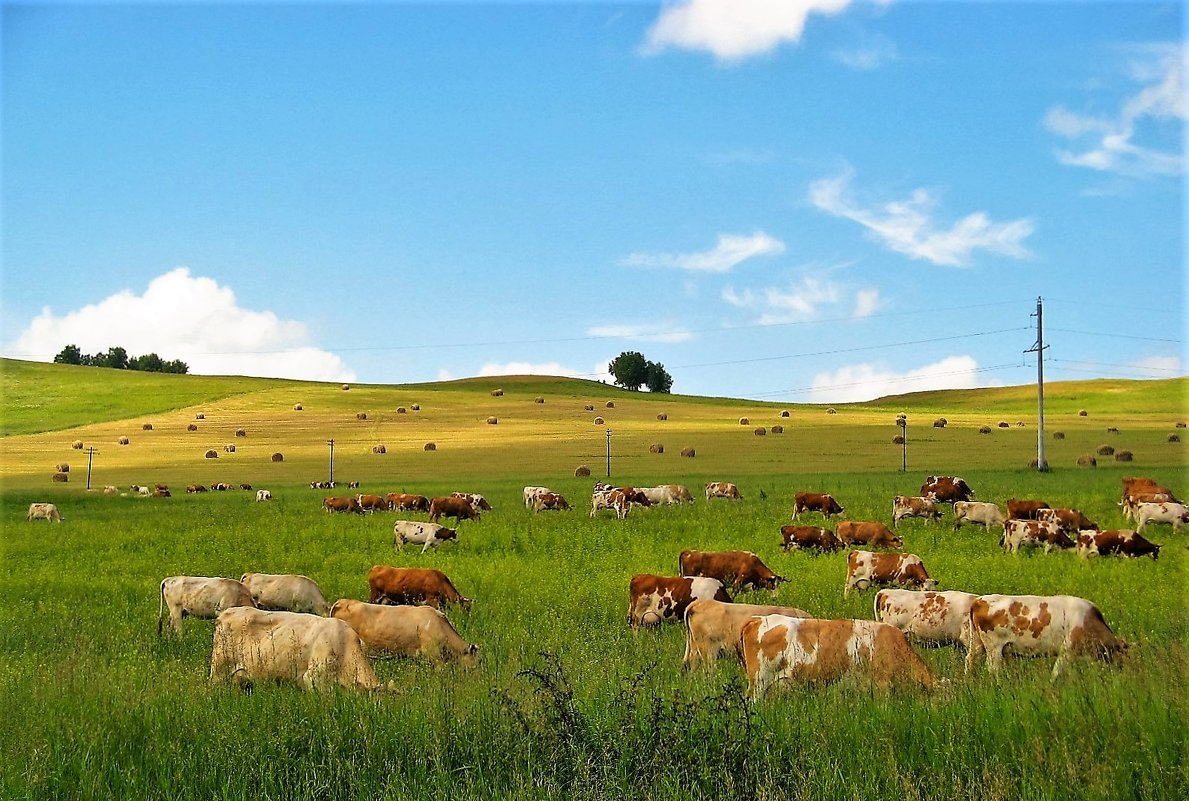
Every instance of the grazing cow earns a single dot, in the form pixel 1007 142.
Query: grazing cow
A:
pixel 737 569
pixel 712 628
pixel 458 508
pixel 285 593
pixel 246 487
pixel 1119 541
pixel 199 596
pixel 412 585
pixel 621 499
pixel 474 499
pixel 937 618
pixel 1038 625
pixel 195 488
pixel 1025 509
pixel 220 486
pixel 655 599
pixel 339 504
pixel 988 514
pixel 781 648
pixel 1143 490
pixel 530 494
pixel 874 534
pixel 263 495
pixel 323 485
pixel 816 502
pixel 550 501
pixel 44 511
pixel 907 506
pixel 722 489
pixel 316 653
pixel 352 485
pixel 423 534
pixel 1175 513
pixel 865 568
pixel 809 538
pixel 141 490
pixel 946 489
pixel 161 493
pixel 403 502
pixel 371 503
pixel 667 494
pixel 410 631
pixel 1070 521
pixel 1033 534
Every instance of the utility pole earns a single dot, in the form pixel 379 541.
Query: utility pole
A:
pixel 1042 464
pixel 902 422
pixel 90 456
pixel 330 442
pixel 608 453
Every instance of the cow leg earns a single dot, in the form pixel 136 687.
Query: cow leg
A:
pixel 425 547
pixel 994 658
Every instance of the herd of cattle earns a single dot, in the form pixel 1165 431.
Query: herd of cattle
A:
pixel 280 627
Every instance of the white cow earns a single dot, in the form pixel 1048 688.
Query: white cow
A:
pixel 423 534
pixel 532 493
pixel 199 596
pixel 667 494
pixel 263 495
pixel 928 616
pixel 1167 512
pixel 988 514
pixel 44 511
pixel 285 593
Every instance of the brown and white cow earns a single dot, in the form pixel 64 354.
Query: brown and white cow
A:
pixel 44 511
pixel 937 618
pixel 909 506
pixel 1068 520
pixel 530 494
pixel 737 569
pixel 371 503
pixel 550 501
pixel 1034 534
pixel 722 489
pixel 458 508
pixel 1121 542
pixel 316 653
pixel 816 502
pixel 199 596
pixel 866 568
pixel 810 651
pixel 712 628
pixel 476 500
pixel 946 489
pixel 813 538
pixel 1038 625
pixel 875 534
pixel 654 599
pixel 619 499
pixel 1175 513
pixel 285 593
pixel 411 631
pixel 195 488
pixel 427 535
pixel 667 494
pixel 1025 509
pixel 338 504
pixel 988 514
pixel 412 585
pixel 404 502
pixel 263 495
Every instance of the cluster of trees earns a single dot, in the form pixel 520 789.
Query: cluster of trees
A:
pixel 632 370
pixel 118 358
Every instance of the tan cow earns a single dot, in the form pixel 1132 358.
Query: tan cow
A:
pixel 938 618
pixel 781 648
pixel 865 568
pixel 871 533
pixel 667 494
pixel 316 653
pixel 988 514
pixel 908 506
pixel 809 538
pixel 722 489
pixel 712 628
pixel 411 631
pixel 44 511
pixel 285 593
pixel 199 596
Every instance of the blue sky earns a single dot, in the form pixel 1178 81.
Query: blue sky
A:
pixel 820 200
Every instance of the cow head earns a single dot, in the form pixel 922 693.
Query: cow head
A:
pixel 771 582
pixel 448 534
pixel 470 658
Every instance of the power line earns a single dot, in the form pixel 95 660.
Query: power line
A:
pixel 1115 364
pixel 1116 336
pixel 896 380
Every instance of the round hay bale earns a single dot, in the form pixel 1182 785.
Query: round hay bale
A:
pixel 229 449
pixel 62 468
pixel 1106 450
pixel 431 446
pixel 898 440
pixel 77 444
pixel 581 471
pixel 589 407
pixel 785 412
pixel 239 432
pixel 538 399
pixel 662 417
pixel 1021 424
pixel 610 404
pixel 778 429
pixel 761 432
pixel 122 441
pixel 1082 413
pixel 1112 430
pixel 61 477
pixel 212 454
pixel 1124 456
pixel 191 427
pixel 1180 424
pixel 939 422
pixel 401 410
pixel 497 393
pixel 656 447
pixel 492 421
pixel 147 427
pixel 361 415
pixel 1004 424
pixel 416 407
pixel 379 449
pixel 1173 438
pixel 984 430
pixel 1058 435
pixel 688 453
pixel 598 421
pixel 743 421
pixel 346 387
pixel 200 416
pixel 278 457
pixel 831 410
pixel 1086 460
pixel 297 407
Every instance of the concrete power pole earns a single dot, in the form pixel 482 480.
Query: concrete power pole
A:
pixel 1042 464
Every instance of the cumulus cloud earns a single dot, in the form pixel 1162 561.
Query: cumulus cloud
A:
pixel 860 382
pixel 906 226
pixel 1109 143
pixel 808 299
pixel 644 333
pixel 527 368
pixel 729 251
pixel 181 316
pixel 733 30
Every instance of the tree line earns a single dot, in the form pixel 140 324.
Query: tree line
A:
pixel 632 371
pixel 118 359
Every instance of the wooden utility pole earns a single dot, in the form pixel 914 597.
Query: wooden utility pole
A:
pixel 90 456
pixel 608 453
pixel 1042 464
pixel 330 442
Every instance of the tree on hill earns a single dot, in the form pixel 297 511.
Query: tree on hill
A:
pixel 631 371
pixel 658 379
pixel 118 358
pixel 69 355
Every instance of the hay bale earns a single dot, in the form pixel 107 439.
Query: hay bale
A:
pixel 831 410
pixel 656 447
pixel 379 449
pixel 416 407
pixel 239 432
pixel 1058 435
pixel 588 407
pixel 361 415
pixel 492 421
pixel 662 417
pixel 200 416
pixel 610 404
pixel 77 444
pixel 538 399
pixel 192 427
pixel 777 429
pixel 431 446
pixel 688 453
pixel 147 427
pixel 1180 424
pixel 940 422
pixel 898 439
pixel 581 471
pixel 212 454
pixel 278 457
pixel 297 407
pixel 1124 456
pixel 1112 430
pixel 497 393
pixel 62 468
pixel 743 421
pixel 229 449
pixel 1082 413
pixel 1173 438
pixel 1004 424
pixel 401 410
pixel 1106 450
pixel 61 478
pixel 984 430
pixel 122 441
pixel 1020 424
pixel 761 432
pixel 598 421
pixel 346 387
pixel 1086 460
pixel 785 412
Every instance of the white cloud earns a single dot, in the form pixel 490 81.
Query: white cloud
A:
pixel 733 30
pixel 1162 366
pixel 906 226
pixel 867 303
pixel 729 251
pixel 860 382
pixel 527 368
pixel 180 316
pixel 644 333
pixel 1108 144
pixel 805 300
pixel 871 53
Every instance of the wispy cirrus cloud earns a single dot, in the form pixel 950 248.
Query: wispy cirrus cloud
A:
pixel 1111 143
pixel 907 226
pixel 730 251
pixel 870 53
pixel 643 333
pixel 733 30
pixel 861 382
pixel 808 299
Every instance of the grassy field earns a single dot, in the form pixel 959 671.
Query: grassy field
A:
pixel 566 701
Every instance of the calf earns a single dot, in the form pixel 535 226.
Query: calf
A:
pixel 737 569
pixel 988 514
pixel 1033 534
pixel 655 599
pixel 412 585
pixel 937 618
pixel 285 593
pixel 908 506
pixel 816 502
pixel 199 596
pixel 410 631
pixel 44 511
pixel 426 535
pixel 1175 513
pixel 876 535
pixel 712 628
pixel 864 569
pixel 1024 509
pixel 1121 542
pixel 458 508
pixel 809 538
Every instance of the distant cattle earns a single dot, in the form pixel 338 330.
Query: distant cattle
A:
pixel 816 502
pixel 200 597
pixel 44 511
pixel 110 490
pixel 161 493
pixel 140 489
pixel 427 535
pixel 550 501
pixel 738 570
pixel 340 504
pixel 530 493
pixel 403 502
pixel 872 533
pixel 1119 542
pixel 865 569
pixel 813 538
pixel 619 499
pixel 458 508
pixel 246 487
pixel 1068 520
pixel 263 495
pixel 195 488
pixel 946 489
pixel 808 651
pixel 412 585
pixel 409 631
pixel 712 628
pixel 722 489
pixel 1019 534
pixel 655 599
pixel 1018 509
pixel 936 618
pixel 220 486
pixel 907 506
pixel 322 484
pixel 286 593
pixel 1037 625
pixel 988 514
pixel 1175 513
